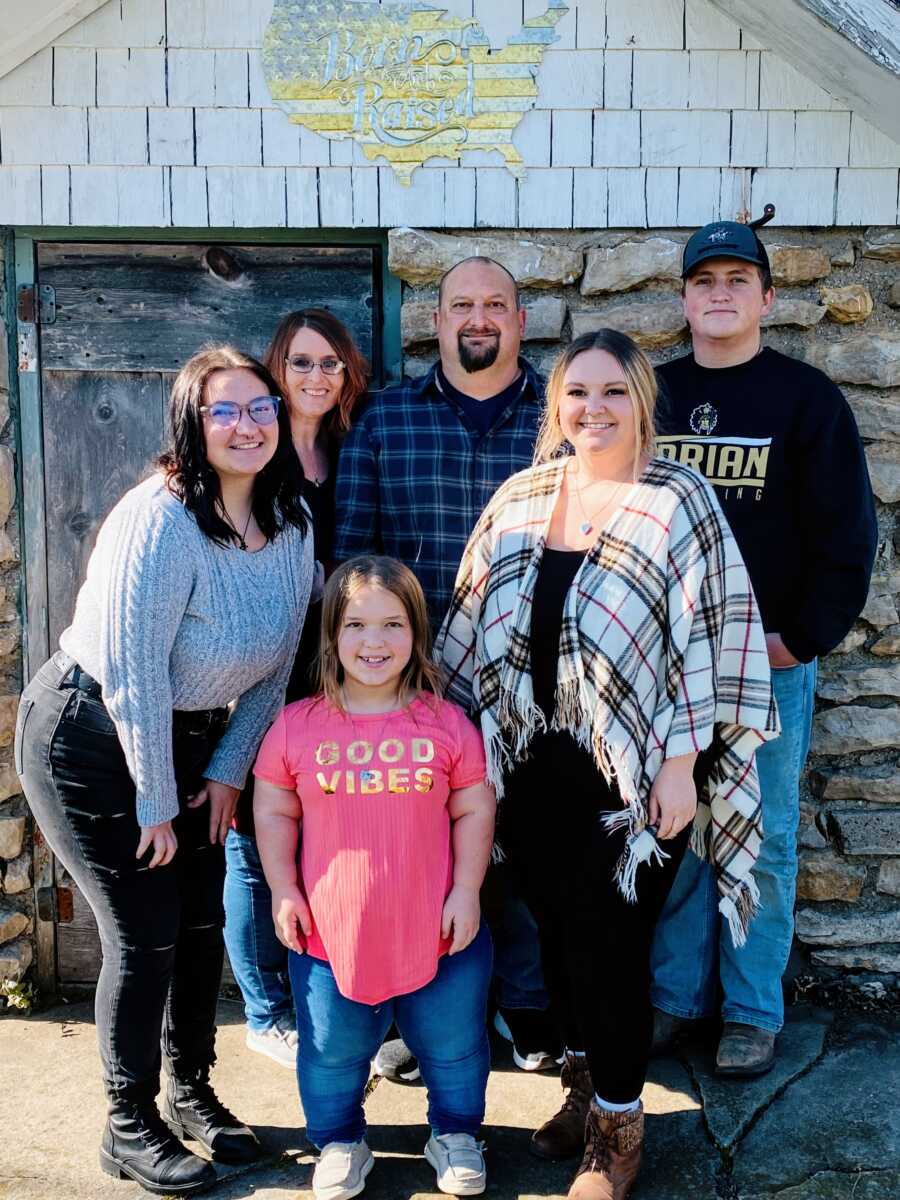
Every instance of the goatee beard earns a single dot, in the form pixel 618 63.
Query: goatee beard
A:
pixel 472 360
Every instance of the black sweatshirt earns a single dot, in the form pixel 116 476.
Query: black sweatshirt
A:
pixel 778 441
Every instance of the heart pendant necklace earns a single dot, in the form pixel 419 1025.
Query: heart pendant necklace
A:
pixel 587 525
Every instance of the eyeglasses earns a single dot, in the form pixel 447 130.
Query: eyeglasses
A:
pixel 225 414
pixel 302 364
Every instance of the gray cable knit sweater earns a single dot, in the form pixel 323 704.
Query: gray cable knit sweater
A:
pixel 166 619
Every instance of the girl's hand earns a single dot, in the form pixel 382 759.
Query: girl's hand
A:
pixel 290 913
pixel 222 803
pixel 163 840
pixel 673 797
pixel 461 917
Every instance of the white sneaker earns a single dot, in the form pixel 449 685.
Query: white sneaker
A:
pixel 278 1042
pixel 341 1170
pixel 458 1162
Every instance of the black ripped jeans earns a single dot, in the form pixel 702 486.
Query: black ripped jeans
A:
pixel 160 929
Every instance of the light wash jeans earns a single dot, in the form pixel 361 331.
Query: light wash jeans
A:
pixel 258 959
pixel 692 949
pixel 443 1024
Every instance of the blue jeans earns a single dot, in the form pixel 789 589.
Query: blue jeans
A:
pixel 518 973
pixel 443 1023
pixel 258 959
pixel 692 950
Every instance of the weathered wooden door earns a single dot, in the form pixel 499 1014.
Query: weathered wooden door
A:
pixel 127 317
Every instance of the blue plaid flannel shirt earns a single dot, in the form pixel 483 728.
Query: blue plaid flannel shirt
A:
pixel 413 477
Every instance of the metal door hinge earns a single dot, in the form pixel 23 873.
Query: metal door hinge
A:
pixel 36 306
pixel 55 904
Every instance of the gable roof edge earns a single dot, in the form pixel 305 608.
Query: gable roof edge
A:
pixel 38 31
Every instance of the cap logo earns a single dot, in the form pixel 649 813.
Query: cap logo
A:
pixel 718 235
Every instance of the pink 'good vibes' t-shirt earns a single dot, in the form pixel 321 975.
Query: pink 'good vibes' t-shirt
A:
pixel 376 862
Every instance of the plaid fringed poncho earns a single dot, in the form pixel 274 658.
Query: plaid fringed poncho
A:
pixel 661 647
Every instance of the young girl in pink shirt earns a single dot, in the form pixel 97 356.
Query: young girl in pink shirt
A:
pixel 381 911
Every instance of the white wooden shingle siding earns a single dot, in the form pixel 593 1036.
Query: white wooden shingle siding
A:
pixel 662 112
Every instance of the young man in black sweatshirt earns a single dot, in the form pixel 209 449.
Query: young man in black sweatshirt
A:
pixel 778 442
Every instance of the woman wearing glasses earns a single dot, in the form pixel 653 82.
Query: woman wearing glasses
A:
pixel 195 591
pixel 322 376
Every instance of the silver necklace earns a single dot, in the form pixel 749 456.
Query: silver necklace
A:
pixel 587 525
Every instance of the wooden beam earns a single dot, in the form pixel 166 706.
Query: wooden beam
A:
pixel 25 34
pixel 851 48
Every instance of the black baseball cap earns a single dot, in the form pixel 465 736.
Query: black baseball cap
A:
pixel 724 239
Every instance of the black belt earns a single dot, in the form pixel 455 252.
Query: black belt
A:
pixel 183 721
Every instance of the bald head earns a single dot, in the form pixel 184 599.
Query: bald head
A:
pixel 485 263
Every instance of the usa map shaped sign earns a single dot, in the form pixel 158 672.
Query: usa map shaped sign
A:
pixel 408 82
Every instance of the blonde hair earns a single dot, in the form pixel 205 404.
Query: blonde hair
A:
pixel 642 390
pixel 420 674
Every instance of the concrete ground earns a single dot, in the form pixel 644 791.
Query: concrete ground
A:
pixel 823 1125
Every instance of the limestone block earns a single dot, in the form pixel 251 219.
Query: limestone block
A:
pixel 879 611
pixel 879 785
pixel 9 781
pixel 418 256
pixel 848 305
pixel 843 685
pixel 871 360
pixel 788 310
pixel 7 483
pixel 15 959
pixel 883 243
pixel 12 923
pixel 884 471
pixel 17 877
pixel 893 298
pixel 544 319
pixel 12 835
pixel 854 639
pixel 855 727
pixel 862 960
pixel 877 417
pixel 827 877
pixel 889 877
pixel 652 324
pixel 8 707
pixel 621 268
pixel 817 928
pixel 844 256
pixel 889 642
pixel 870 831
pixel 798 264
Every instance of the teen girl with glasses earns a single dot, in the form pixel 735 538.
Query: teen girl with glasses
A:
pixel 194 596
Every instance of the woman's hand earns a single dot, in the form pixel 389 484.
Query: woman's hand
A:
pixel 779 655
pixel 163 840
pixel 673 797
pixel 222 803
pixel 290 912
pixel 461 916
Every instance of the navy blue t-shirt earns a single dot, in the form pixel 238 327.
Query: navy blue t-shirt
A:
pixel 481 414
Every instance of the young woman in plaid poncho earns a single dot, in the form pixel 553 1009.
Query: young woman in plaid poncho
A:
pixel 604 631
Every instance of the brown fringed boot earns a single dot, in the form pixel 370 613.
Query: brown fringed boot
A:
pixel 612 1155
pixel 563 1135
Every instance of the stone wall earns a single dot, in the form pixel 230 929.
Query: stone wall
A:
pixel 16 896
pixel 839 307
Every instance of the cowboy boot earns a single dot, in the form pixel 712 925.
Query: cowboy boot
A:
pixel 612 1155
pixel 563 1135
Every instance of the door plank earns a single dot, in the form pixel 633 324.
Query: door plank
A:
pixel 100 432
pixel 139 308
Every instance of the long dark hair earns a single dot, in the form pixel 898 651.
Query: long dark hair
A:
pixel 356 369
pixel 277 498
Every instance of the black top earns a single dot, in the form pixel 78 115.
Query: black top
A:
pixel 779 443
pixel 557 570
pixel 481 414
pixel 321 504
